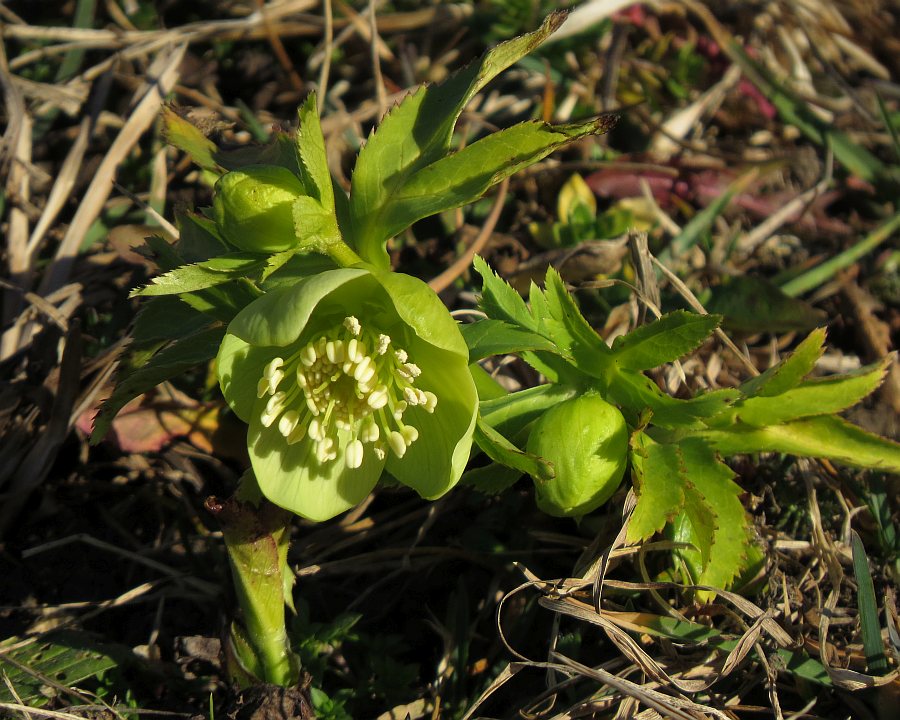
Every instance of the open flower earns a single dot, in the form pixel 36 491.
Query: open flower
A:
pixel 343 375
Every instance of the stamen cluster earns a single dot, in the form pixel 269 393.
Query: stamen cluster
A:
pixel 347 379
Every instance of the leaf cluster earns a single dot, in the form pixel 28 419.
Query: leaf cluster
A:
pixel 677 444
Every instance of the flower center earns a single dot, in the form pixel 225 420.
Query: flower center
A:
pixel 346 379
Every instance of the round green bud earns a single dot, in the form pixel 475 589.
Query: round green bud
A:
pixel 586 439
pixel 254 207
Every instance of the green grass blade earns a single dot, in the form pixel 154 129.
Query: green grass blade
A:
pixel 822 273
pixel 868 609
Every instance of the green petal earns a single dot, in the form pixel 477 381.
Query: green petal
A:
pixel 280 316
pixel 434 463
pixel 420 308
pixel 239 367
pixel 292 478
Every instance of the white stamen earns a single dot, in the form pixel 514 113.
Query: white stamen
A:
pixel 401 356
pixel 365 370
pixel 378 398
pixel 413 369
pixel 262 387
pixel 397 443
pixel 430 401
pixel 369 432
pixel 411 396
pixel 353 325
pixel 410 434
pixel 297 435
pixel 288 422
pixel 308 356
pixel 354 454
pixel 275 404
pixel 334 351
pixel 383 342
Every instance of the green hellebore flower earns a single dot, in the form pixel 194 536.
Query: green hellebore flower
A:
pixel 253 207
pixel 345 374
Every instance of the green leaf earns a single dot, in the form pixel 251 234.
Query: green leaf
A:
pixel 465 176
pixel 824 437
pixel 418 132
pixel 870 627
pixel 168 363
pixel 202 275
pixel 502 451
pixel 499 300
pixel 659 478
pixel 578 337
pixel 492 479
pixel 496 337
pixel 311 149
pixel 68 657
pixel 819 396
pixel 511 413
pixel 751 304
pixel 670 337
pixel 165 318
pixel 821 274
pixel 314 225
pixel 687 485
pixel 788 373
pixel 188 138
pixel 199 239
pixel 636 391
pixel 714 520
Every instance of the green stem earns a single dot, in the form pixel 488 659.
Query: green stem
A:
pixel 256 535
pixel 342 254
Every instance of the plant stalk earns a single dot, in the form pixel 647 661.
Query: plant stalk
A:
pixel 257 536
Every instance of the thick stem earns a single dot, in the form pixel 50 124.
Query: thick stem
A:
pixel 256 534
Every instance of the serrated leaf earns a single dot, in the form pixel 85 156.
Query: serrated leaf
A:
pixel 188 138
pixel 170 362
pixel 199 238
pixel 311 149
pixel 827 436
pixel 465 176
pixel 659 477
pixel 202 275
pixel 636 391
pixel 788 373
pixel 68 657
pixel 587 347
pixel 665 340
pixel 499 300
pixel 820 396
pixel 496 337
pixel 502 451
pixel 721 553
pixel 418 132
pixel 165 318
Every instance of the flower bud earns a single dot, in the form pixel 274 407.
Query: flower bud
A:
pixel 254 207
pixel 586 439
